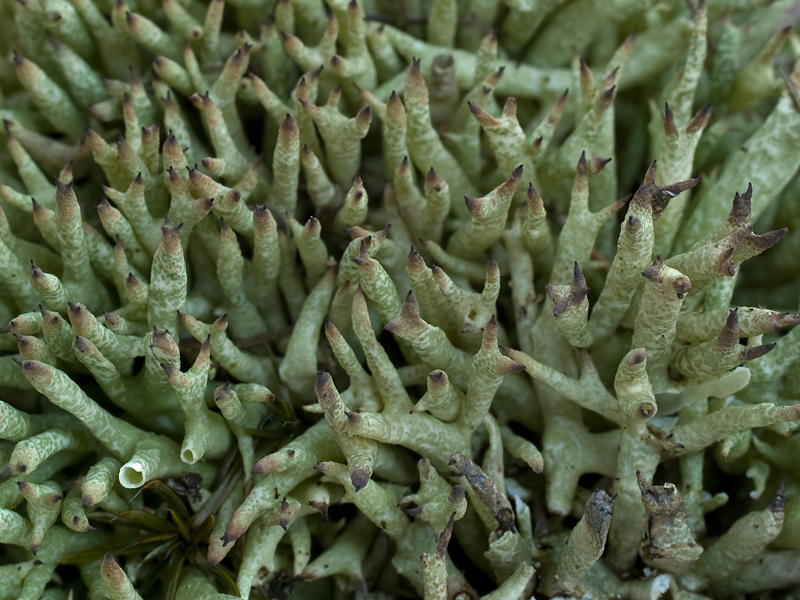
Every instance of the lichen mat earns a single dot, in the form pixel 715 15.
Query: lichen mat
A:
pixel 257 345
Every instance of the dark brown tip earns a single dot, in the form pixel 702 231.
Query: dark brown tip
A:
pixel 757 351
pixel 360 478
pixel 582 166
pixel 633 224
pixel 579 281
pixel 729 336
pixel 597 164
pixel 638 357
pixel 227 539
pixel 353 417
pixel 765 241
pixel 80 344
pixel 681 285
pixel 669 122
pixel 606 98
pixel 740 209
pixel 444 538
pixel 289 125
pixel 653 272
pixel 700 120
pixel 437 378
pixel 321 507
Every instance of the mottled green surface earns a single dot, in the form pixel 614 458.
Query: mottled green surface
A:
pixel 272 272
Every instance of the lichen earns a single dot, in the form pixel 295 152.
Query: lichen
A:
pixel 283 359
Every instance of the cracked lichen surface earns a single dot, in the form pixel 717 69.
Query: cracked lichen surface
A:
pixel 439 299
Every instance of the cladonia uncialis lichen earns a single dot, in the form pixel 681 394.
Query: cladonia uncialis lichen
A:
pixel 426 299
